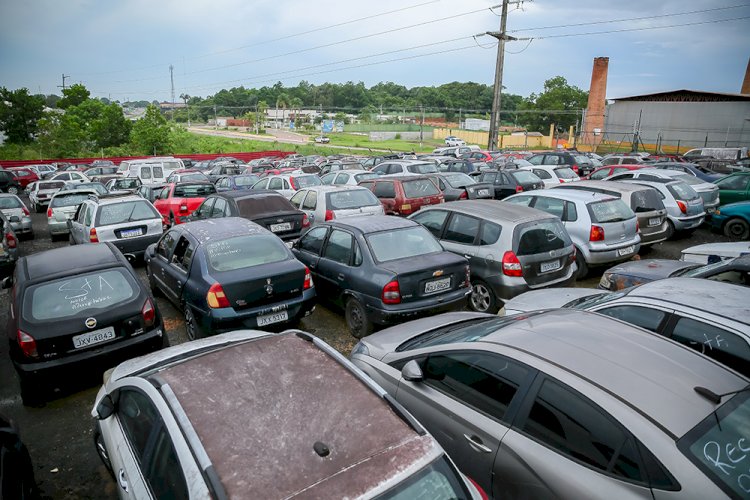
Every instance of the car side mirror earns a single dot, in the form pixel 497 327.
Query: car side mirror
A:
pixel 105 408
pixel 15 218
pixel 412 372
pixel 7 282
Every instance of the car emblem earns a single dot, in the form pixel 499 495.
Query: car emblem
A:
pixel 269 286
pixel 437 273
pixel 90 322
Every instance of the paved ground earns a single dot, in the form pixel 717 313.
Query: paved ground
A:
pixel 59 435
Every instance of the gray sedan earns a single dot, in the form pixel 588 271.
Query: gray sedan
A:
pixel 459 186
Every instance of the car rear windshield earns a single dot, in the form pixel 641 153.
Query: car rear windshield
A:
pixel 10 202
pixel 131 183
pixel 682 191
pixel 419 188
pixel 459 180
pixel 565 173
pixel 689 179
pixel 402 243
pixel 50 185
pixel 364 177
pixel 78 295
pixel 541 237
pixel 126 211
pixel 353 198
pixel 610 211
pixel 438 481
pixel 246 180
pixel 245 251
pixel 646 200
pixel 719 444
pixel 422 168
pixel 252 207
pixel 197 176
pixel 68 200
pixel 305 181
pixel 525 177
pixel 193 190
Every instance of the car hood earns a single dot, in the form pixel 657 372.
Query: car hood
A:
pixel 651 269
pixel 737 208
pixel 700 253
pixel 546 299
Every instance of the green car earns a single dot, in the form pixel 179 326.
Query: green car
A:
pixel 734 187
pixel 733 219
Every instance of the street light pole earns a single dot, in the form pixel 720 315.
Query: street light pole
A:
pixel 498 85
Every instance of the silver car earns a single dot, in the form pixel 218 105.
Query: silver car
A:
pixel 17 215
pixel 322 203
pixel 603 228
pixel 405 167
pixel 41 193
pixel 347 177
pixel 63 206
pixel 708 191
pixel 568 404
pixel 8 247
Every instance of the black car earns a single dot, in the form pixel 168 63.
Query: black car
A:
pixel 16 470
pixel 229 273
pixel 383 270
pixel 462 165
pixel 150 191
pixel 9 183
pixel 459 186
pixel 578 162
pixel 223 169
pixel 80 307
pixel 508 182
pixel 265 207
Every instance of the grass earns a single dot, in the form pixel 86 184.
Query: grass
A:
pixel 363 141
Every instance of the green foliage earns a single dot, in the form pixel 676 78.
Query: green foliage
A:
pixel 19 114
pixel 150 134
pixel 73 96
pixel 557 95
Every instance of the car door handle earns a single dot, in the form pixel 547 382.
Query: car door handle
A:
pixel 341 277
pixel 121 479
pixel 476 443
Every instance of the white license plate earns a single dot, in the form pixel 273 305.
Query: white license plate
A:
pixel 550 266
pixel 286 226
pixel 95 337
pixel 484 192
pixel 626 250
pixel 131 233
pixel 270 319
pixel 654 221
pixel 437 285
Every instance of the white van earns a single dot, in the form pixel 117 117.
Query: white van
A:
pixel 719 153
pixel 151 170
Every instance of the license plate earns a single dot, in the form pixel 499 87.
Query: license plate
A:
pixel 437 285
pixel 130 233
pixel 484 192
pixel 289 244
pixel 286 226
pixel 95 337
pixel 270 319
pixel 654 221
pixel 711 210
pixel 626 250
pixel 550 266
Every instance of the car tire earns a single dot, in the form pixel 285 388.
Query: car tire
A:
pixel 171 220
pixel 737 228
pixel 101 450
pixel 670 229
pixel 192 328
pixel 151 283
pixel 12 190
pixel 31 392
pixel 482 298
pixel 583 267
pixel 356 319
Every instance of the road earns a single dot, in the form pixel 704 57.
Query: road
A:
pixel 59 435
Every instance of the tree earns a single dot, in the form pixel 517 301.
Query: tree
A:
pixel 283 101
pixel 556 104
pixel 111 128
pixel 151 133
pixel 62 135
pixel 19 114
pixel 73 96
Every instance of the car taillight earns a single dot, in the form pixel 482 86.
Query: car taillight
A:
pixel 305 221
pixel 11 240
pixel 25 211
pixel 682 205
pixel 308 279
pixel 596 233
pixel 149 313
pixel 49 213
pixel 637 227
pixel 216 297
pixel 575 168
pixel 183 208
pixel 467 277
pixel 573 255
pixel 511 264
pixel 330 215
pixel 479 489
pixel 463 196
pixel 391 293
pixel 562 181
pixel 27 344
pixel 294 184
pixel 93 238
pixel 519 189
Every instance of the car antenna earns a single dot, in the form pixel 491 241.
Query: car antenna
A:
pixel 716 398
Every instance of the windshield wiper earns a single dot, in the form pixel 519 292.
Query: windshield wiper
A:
pixel 716 398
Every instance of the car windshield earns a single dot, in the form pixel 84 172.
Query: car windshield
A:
pixel 593 300
pixel 10 202
pixel 437 481
pixel 245 251
pixel 646 200
pixel 246 180
pixel 682 191
pixel 195 176
pixel 402 243
pixel 79 295
pixel 524 176
pixel 466 331
pixel 364 177
pixel 458 180
pixel 50 185
pixel 131 183
pixel 610 211
pixel 94 186
pixel 565 173
pixel 718 444
pixel 422 168
pixel 126 211
pixel 419 188
pixel 69 200
pixel 352 198
pixel 305 181
pixel 193 190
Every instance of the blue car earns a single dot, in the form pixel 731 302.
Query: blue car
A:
pixel 689 168
pixel 236 182
pixel 733 220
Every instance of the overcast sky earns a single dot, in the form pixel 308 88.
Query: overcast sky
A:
pixel 123 49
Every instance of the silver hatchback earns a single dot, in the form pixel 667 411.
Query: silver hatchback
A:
pixel 17 215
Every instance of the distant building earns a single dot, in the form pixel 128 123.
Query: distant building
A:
pixel 477 124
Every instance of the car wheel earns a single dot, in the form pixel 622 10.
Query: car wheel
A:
pixel 482 298
pixel 12 190
pixel 151 282
pixel 31 393
pixel 583 267
pixel 101 450
pixel 171 220
pixel 737 228
pixel 356 319
pixel 192 328
pixel 670 229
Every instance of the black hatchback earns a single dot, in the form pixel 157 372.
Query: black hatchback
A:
pixel 79 307
pixel 383 270
pixel 507 182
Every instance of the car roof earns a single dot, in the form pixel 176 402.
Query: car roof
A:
pixel 118 198
pixel 373 223
pixel 614 186
pixel 625 361
pixel 246 193
pixel 222 228
pixel 398 178
pixel 494 210
pixel 327 188
pixel 76 259
pixel 572 195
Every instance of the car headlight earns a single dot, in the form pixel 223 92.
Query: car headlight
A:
pixel 717 212
pixel 605 283
pixel 360 348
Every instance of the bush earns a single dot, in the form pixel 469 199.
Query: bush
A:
pixel 398 137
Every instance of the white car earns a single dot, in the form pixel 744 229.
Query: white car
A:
pixel 288 184
pixel 322 203
pixel 709 253
pixel 70 177
pixel 452 140
pixel 41 192
pixel 553 175
pixel 321 139
pixel 347 177
pixel 405 167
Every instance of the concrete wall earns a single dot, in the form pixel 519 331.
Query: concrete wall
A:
pixel 407 136
pixel 505 141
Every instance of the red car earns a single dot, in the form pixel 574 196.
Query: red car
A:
pixel 177 201
pixel 602 172
pixel 24 176
pixel 404 195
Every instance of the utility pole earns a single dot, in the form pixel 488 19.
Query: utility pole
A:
pixel 498 85
pixel 421 126
pixel 171 79
pixel 64 76
pixel 216 120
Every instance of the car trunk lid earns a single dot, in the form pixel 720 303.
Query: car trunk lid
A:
pixel 544 250
pixel 268 284
pixel 429 275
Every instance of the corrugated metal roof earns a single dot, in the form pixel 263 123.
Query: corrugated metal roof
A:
pixel 686 95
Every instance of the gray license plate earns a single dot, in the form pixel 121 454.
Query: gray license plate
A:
pixel 437 285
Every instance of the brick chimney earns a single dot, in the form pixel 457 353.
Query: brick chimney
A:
pixel 597 102
pixel 746 82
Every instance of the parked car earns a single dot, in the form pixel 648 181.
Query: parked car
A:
pixel 127 184
pixel 288 184
pixel 77 310
pixel 17 215
pixel 688 168
pixel 100 170
pixel 708 253
pixel 188 175
pixel 42 192
pixel 63 206
pixel 321 139
pixel 603 228
pixel 734 187
pixel 331 457
pixel 623 160
pixel 552 176
pixel 127 221
pixel 508 182
pixel 459 186
pixel 150 170
pixel 720 153
pixel 405 167
pixel 8 246
pixel 221 169
pixel 579 163
pixel 461 165
pixel 511 248
pixel 644 201
pixel 24 176
pixel 229 273
pixel 267 208
pixel 324 203
pixel 733 220
pixel 43 170
pixel 627 274
pixel 96 187
pixel 16 469
pixel 564 403
pixel 708 191
pixel 177 201
pixel 235 182
pixel 9 183
pixel 404 195
pixel 602 173
pixel 383 270
pixel 452 140
pixel 336 166
pixel 150 191
pixel 71 177
pixel 347 177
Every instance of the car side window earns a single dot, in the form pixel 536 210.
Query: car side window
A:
pixel 261 184
pixel 89 215
pixel 485 382
pixel 571 213
pixel 275 183
pixel 166 244
pixel 204 211
pixel 311 202
pixel 313 240
pixel 462 229
pixel 734 183
pixel 385 190
pixel 717 343
pixel 433 220
pixel 81 213
pixel 490 233
pixel 542 174
pixel 224 182
pixel 550 205
pixel 145 172
pixel 327 179
pixel 575 427
pixel 164 193
pixel 600 174
pixel 536 159
pixel 180 251
pixel 552 160
pixel 296 200
pixel 524 200
pixel 339 247
pixel 342 179
pixel 220 208
pixel 650 319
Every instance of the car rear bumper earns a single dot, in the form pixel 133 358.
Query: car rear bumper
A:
pixel 507 291
pixel 687 223
pixel 614 253
pixel 57 227
pixel 22 227
pixel 216 321
pixel 412 310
